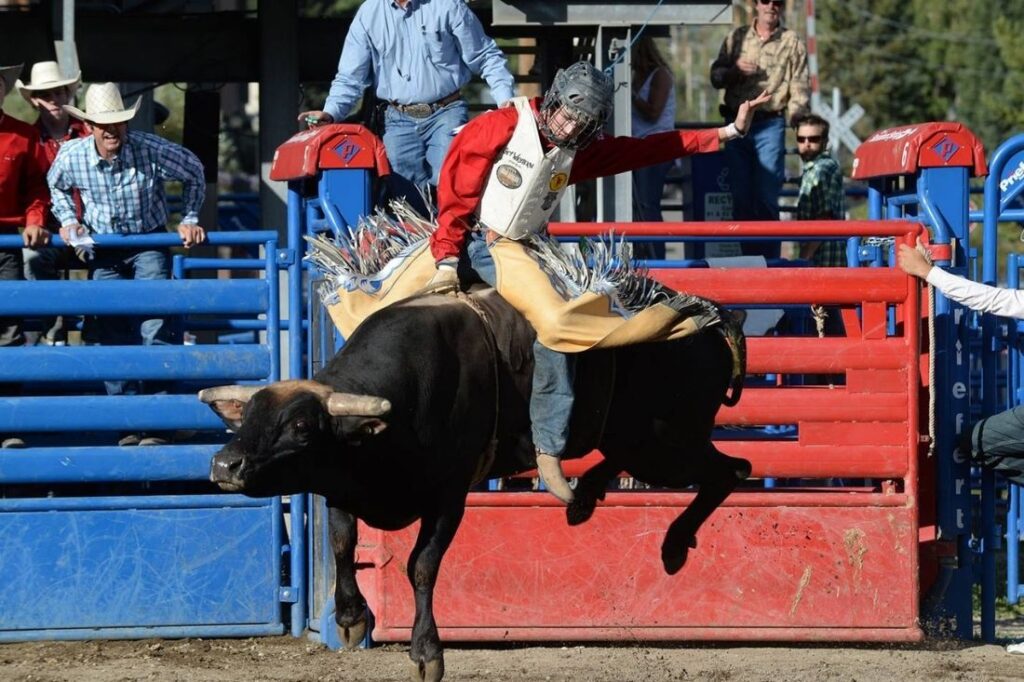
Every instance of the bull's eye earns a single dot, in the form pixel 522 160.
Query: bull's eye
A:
pixel 301 425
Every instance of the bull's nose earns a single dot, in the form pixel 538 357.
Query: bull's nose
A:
pixel 224 467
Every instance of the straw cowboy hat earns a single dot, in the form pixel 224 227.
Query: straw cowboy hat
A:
pixel 8 74
pixel 103 104
pixel 45 76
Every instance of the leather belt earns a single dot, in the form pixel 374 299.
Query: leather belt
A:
pixel 424 110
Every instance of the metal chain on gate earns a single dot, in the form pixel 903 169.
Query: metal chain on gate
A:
pixel 888 242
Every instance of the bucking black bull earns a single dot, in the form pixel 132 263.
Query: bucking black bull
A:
pixel 431 395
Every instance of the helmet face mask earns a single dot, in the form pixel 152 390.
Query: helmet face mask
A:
pixel 577 106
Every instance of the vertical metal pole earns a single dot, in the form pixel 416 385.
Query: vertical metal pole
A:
pixel 64 46
pixel 273 310
pixel 295 271
pixel 944 191
pixel 299 503
pixel 615 195
pixel 1013 399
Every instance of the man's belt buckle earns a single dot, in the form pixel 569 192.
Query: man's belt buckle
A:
pixel 418 110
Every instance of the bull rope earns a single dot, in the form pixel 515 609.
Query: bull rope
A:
pixel 491 453
pixel 931 367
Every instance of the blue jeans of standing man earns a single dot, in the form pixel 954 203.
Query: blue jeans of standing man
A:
pixel 648 188
pixel 416 148
pixel 129 331
pixel 757 166
pixel 11 333
pixel 552 396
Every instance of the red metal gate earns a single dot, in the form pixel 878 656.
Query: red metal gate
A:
pixel 780 564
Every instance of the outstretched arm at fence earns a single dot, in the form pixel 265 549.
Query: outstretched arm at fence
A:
pixel 974 295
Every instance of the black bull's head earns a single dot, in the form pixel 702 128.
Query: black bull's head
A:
pixel 279 427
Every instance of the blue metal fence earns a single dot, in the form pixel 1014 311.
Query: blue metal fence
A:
pixel 123 542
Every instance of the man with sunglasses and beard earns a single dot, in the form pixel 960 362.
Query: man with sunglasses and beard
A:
pixel 821 190
pixel 503 177
pixel 761 56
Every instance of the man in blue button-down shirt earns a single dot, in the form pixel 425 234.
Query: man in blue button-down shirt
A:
pixel 120 174
pixel 418 55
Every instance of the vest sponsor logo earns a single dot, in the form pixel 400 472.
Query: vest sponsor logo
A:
pixel 558 181
pixel 508 176
pixel 516 158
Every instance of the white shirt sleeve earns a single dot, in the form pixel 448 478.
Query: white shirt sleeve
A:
pixel 977 296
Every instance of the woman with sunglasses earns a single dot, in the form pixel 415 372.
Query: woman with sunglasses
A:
pixel 763 55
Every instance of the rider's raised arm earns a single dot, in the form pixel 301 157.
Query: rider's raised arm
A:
pixel 612 155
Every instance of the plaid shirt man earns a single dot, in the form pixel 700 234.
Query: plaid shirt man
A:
pixel 822 198
pixel 126 195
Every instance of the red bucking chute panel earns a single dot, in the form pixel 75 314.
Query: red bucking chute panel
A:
pixel 341 145
pixel 903 150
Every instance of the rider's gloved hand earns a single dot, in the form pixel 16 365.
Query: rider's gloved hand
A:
pixel 444 281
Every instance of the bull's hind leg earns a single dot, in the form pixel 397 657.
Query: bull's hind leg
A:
pixel 589 490
pixel 716 476
pixel 349 604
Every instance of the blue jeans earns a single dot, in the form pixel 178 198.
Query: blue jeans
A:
pixel 128 331
pixel 648 188
pixel 552 396
pixel 757 166
pixel 416 147
pixel 11 333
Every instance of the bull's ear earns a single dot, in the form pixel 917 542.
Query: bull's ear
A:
pixel 358 429
pixel 230 412
pixel 228 402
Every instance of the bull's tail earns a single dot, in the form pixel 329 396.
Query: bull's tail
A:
pixel 732 331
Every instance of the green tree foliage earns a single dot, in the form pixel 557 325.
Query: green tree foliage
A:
pixel 925 61
pixel 1008 101
pixel 870 50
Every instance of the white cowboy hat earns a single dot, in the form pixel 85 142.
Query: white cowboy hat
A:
pixel 8 74
pixel 103 104
pixel 45 76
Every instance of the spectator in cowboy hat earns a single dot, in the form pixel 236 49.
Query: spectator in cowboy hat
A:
pixel 22 205
pixel 137 164
pixel 48 90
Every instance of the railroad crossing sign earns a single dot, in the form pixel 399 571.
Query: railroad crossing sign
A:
pixel 840 124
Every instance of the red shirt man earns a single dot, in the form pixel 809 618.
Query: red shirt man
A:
pixel 23 197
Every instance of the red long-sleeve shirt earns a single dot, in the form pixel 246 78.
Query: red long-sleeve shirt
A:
pixel 23 191
pixel 46 152
pixel 473 151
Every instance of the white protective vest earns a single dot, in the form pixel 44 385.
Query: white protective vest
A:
pixel 525 184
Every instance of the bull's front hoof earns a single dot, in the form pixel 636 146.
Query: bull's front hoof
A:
pixel 673 556
pixel 352 636
pixel 580 510
pixel 429 671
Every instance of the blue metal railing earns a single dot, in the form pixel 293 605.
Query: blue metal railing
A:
pixel 97 483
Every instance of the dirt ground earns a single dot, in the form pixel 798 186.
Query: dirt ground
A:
pixel 295 660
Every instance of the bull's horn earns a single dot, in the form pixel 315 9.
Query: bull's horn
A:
pixel 351 404
pixel 241 393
